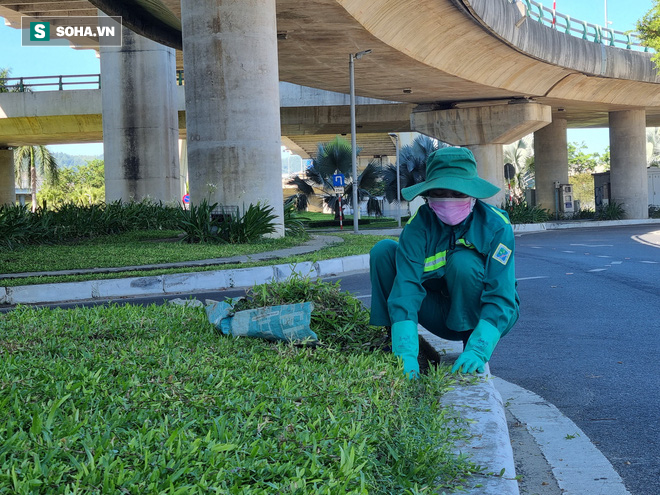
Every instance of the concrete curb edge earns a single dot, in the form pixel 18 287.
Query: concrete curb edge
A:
pixel 481 405
pixel 177 283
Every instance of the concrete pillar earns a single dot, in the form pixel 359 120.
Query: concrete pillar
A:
pixel 7 187
pixel 140 120
pixel 232 102
pixel 484 129
pixel 550 162
pixel 628 175
pixel 490 166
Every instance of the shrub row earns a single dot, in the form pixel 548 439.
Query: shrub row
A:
pixel 199 223
pixel 521 212
pixel 20 226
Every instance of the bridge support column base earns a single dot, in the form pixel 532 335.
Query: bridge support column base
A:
pixel 232 103
pixel 484 129
pixel 550 162
pixel 7 187
pixel 490 166
pixel 140 120
pixel 628 175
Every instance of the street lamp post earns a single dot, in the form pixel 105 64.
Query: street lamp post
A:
pixel 351 72
pixel 398 179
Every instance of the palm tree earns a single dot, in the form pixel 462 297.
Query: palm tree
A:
pixel 331 158
pixel 520 154
pixel 35 161
pixel 4 87
pixel 412 165
pixel 653 147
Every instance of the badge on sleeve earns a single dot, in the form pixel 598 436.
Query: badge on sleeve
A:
pixel 502 254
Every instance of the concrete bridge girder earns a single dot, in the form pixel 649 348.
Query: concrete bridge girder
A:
pixel 484 129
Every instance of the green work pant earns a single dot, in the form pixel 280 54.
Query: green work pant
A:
pixel 452 306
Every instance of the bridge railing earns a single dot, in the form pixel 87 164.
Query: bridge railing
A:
pixel 40 83
pixel 581 29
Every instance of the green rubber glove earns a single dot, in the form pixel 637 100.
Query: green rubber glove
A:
pixel 478 349
pixel 405 344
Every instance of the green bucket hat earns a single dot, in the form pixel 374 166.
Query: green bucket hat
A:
pixel 455 169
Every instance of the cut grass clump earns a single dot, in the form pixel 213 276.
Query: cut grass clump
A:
pixel 339 319
pixel 129 399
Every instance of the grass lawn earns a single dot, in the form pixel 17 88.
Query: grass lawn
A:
pixel 374 222
pixel 149 400
pixel 152 247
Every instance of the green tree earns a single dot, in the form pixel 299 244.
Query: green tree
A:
pixel 35 162
pixel 412 165
pixel 604 159
pixel 648 28
pixel 583 189
pixel 4 74
pixel 579 161
pixel 5 87
pixel 82 185
pixel 335 157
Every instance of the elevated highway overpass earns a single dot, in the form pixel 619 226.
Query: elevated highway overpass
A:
pixel 477 73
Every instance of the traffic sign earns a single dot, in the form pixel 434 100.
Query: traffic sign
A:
pixel 339 190
pixel 186 199
pixel 338 181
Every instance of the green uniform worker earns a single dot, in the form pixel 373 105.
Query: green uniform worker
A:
pixel 452 269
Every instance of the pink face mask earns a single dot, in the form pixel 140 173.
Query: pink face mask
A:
pixel 452 211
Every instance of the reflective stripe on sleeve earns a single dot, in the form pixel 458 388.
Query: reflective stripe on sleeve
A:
pixel 436 261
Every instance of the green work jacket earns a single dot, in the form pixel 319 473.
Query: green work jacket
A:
pixel 426 242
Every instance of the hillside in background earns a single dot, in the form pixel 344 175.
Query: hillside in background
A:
pixel 74 161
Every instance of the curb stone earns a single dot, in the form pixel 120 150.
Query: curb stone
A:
pixel 561 225
pixel 481 405
pixel 178 282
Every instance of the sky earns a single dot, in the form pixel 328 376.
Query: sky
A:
pixel 52 61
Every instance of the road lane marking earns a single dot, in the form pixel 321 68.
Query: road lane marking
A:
pixel 598 270
pixel 593 245
pixel 568 252
pixel 650 262
pixel 530 278
pixel 578 467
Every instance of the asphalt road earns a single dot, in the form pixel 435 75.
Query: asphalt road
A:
pixel 588 339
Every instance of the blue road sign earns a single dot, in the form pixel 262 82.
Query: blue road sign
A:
pixel 186 198
pixel 338 180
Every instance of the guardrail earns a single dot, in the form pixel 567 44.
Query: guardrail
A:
pixel 93 81
pixel 580 29
pixel 23 84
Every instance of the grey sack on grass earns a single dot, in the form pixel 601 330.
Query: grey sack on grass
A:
pixel 288 322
